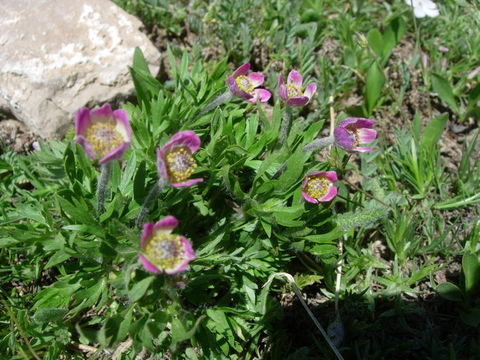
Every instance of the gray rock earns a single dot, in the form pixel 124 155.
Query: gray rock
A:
pixel 57 56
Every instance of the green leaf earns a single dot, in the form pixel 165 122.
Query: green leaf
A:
pixel 57 258
pixel 442 87
pixel 433 131
pixel 375 40
pixel 140 288
pixel 471 270
pixel 43 316
pixel 293 171
pixel 450 292
pixel 139 62
pixel 392 36
pixel 373 87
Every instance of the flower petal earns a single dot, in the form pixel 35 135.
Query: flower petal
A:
pixel 256 79
pixel 115 154
pixel 310 90
pixel 147 232
pixel 148 265
pixel 86 145
pixel 331 176
pixel 344 139
pixel 298 101
pixel 358 122
pixel 366 135
pixel 123 124
pixel 185 138
pixel 82 120
pixel 104 112
pixel 241 70
pixel 308 198
pixel 167 223
pixel 362 149
pixel 295 79
pixel 187 183
pixel 161 166
pixel 332 192
pixel 282 89
pixel 261 95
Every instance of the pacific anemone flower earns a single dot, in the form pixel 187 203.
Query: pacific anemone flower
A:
pixel 291 92
pixel 244 86
pixel 318 186
pixel 162 251
pixel 175 162
pixel 103 133
pixel 352 132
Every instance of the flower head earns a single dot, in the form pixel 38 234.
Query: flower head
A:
pixel 318 186
pixel 352 132
pixel 244 86
pixel 422 8
pixel 175 161
pixel 291 93
pixel 163 251
pixel 103 133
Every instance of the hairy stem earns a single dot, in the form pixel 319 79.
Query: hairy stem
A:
pixel 105 174
pixel 285 126
pixel 319 144
pixel 152 195
pixel 217 101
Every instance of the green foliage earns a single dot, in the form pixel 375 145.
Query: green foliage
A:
pixel 72 280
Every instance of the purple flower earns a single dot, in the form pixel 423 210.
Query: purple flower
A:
pixel 318 186
pixel 163 251
pixel 175 161
pixel 291 93
pixel 352 132
pixel 243 85
pixel 104 134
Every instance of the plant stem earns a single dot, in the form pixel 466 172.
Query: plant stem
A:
pixel 285 126
pixel 217 101
pixel 152 195
pixel 105 173
pixel 319 144
pixel 307 309
pixel 338 280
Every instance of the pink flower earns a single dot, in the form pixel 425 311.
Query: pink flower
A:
pixel 163 251
pixel 243 85
pixel 352 132
pixel 104 134
pixel 175 161
pixel 318 186
pixel 291 93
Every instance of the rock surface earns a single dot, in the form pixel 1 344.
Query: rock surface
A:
pixel 57 56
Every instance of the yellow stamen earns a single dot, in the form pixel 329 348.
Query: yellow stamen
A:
pixel 293 91
pixel 165 251
pixel 244 84
pixel 180 164
pixel 317 187
pixel 103 136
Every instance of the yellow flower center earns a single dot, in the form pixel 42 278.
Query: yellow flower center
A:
pixel 244 84
pixel 180 164
pixel 317 186
pixel 165 251
pixel 103 136
pixel 293 91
